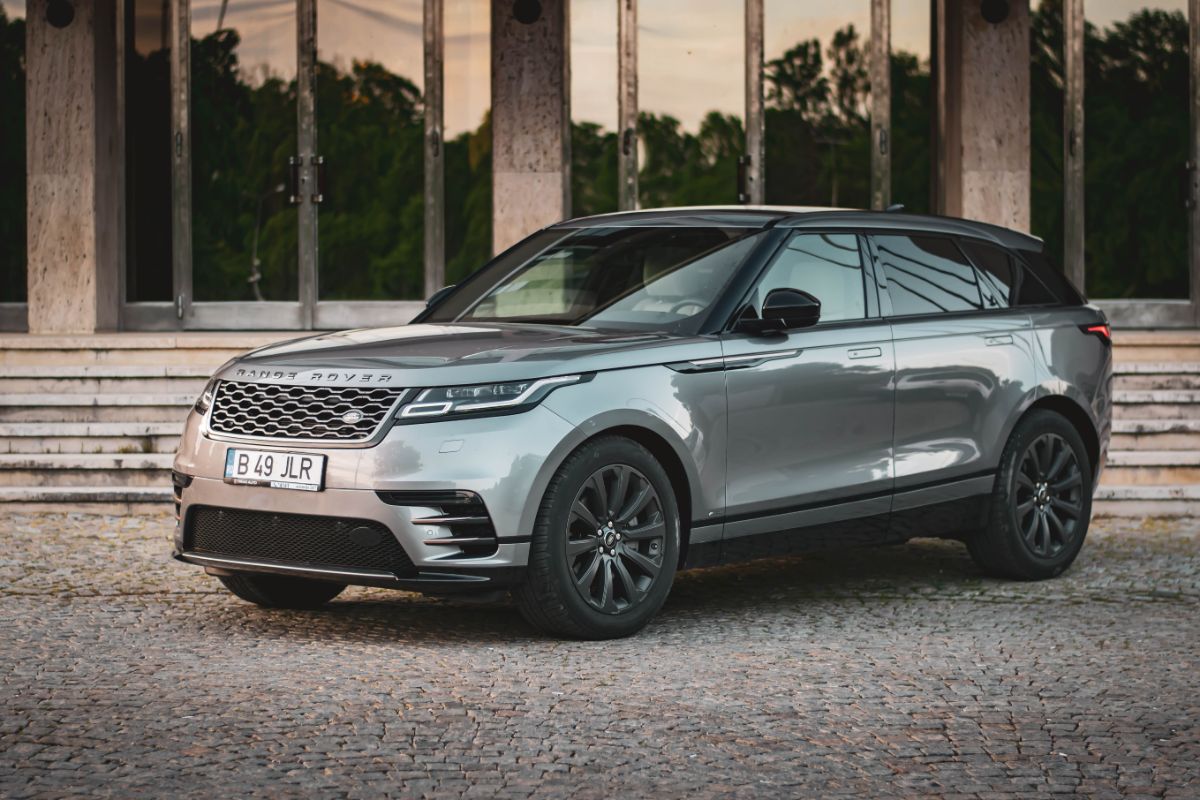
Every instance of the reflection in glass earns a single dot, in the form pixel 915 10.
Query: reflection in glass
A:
pixel 12 152
pixel 1136 103
pixel 148 275
pixel 243 117
pixel 692 91
pixel 369 131
pixel 594 122
pixel 468 139
pixel 816 85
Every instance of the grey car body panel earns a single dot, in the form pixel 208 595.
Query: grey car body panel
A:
pixel 772 434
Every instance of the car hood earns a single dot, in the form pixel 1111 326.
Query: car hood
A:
pixel 460 353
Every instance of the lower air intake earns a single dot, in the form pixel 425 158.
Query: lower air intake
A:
pixel 296 538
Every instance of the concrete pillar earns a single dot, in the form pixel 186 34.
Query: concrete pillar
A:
pixel 71 154
pixel 983 114
pixel 531 118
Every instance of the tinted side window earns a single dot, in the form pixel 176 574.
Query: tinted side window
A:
pixel 1054 281
pixel 1000 276
pixel 927 275
pixel 827 266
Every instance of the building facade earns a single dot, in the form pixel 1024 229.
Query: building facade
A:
pixel 306 164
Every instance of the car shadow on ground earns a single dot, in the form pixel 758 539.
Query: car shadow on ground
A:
pixel 765 587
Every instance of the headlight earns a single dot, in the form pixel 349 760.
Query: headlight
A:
pixel 205 400
pixel 487 398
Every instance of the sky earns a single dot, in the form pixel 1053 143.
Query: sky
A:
pixel 689 51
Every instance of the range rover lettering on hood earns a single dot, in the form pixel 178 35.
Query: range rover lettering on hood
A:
pixel 315 377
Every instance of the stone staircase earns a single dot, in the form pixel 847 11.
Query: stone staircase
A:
pixel 90 423
pixel 1154 459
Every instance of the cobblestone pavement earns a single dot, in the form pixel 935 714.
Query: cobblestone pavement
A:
pixel 869 673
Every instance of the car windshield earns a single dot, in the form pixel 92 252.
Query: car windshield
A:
pixel 625 278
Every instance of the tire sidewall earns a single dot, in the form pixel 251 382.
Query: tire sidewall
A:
pixel 1035 425
pixel 555 514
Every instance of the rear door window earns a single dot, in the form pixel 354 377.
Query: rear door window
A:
pixel 927 275
pixel 999 273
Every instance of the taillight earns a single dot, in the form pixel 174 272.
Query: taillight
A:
pixel 1101 331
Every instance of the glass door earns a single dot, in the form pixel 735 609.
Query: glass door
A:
pixel 246 196
pixel 369 126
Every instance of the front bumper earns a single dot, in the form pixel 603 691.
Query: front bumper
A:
pixel 504 461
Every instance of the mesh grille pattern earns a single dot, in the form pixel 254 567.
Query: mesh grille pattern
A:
pixel 300 412
pixel 298 538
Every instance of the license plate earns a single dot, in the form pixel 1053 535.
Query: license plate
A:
pixel 303 471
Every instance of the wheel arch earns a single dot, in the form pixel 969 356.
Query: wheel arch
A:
pixel 1078 417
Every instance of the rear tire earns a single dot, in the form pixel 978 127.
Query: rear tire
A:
pixel 605 544
pixel 1041 503
pixel 282 591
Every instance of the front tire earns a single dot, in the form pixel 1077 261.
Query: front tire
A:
pixel 1041 503
pixel 605 544
pixel 282 591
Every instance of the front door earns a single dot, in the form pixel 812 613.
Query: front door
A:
pixel 810 412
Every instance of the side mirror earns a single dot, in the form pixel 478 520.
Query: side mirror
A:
pixel 785 310
pixel 438 296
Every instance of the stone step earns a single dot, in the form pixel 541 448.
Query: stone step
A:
pixel 1155 434
pixel 89 469
pixel 1151 468
pixel 88 499
pixel 89 437
pixel 1156 346
pixel 1157 404
pixel 207 350
pixel 103 379
pixel 72 407
pixel 1144 501
pixel 1156 375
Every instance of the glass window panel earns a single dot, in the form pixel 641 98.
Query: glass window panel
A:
pixel 593 107
pixel 370 132
pixel 12 151
pixel 996 271
pixel 243 119
pixel 927 275
pixel 1136 144
pixel 816 85
pixel 1046 81
pixel 691 85
pixel 148 156
pixel 827 266
pixel 468 99
pixel 912 105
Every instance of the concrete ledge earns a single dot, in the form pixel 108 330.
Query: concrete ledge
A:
pixel 24 429
pixel 1157 396
pixel 234 340
pixel 1156 426
pixel 105 371
pixel 95 400
pixel 1156 368
pixel 85 494
pixel 86 461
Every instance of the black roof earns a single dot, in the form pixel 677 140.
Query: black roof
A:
pixel 805 217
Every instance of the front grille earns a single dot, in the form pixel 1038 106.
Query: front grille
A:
pixel 296 538
pixel 276 411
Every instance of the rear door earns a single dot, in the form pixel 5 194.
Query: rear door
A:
pixel 963 366
pixel 810 411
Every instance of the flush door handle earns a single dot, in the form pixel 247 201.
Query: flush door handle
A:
pixel 865 352
pixel 993 341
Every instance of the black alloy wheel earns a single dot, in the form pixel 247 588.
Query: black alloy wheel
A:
pixel 1047 496
pixel 615 538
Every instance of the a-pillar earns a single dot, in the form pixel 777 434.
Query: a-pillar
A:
pixel 531 118
pixel 983 170
pixel 72 161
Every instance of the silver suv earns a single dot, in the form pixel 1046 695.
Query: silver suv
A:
pixel 620 397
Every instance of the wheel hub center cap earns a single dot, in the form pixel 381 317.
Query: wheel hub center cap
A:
pixel 610 537
pixel 1043 494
